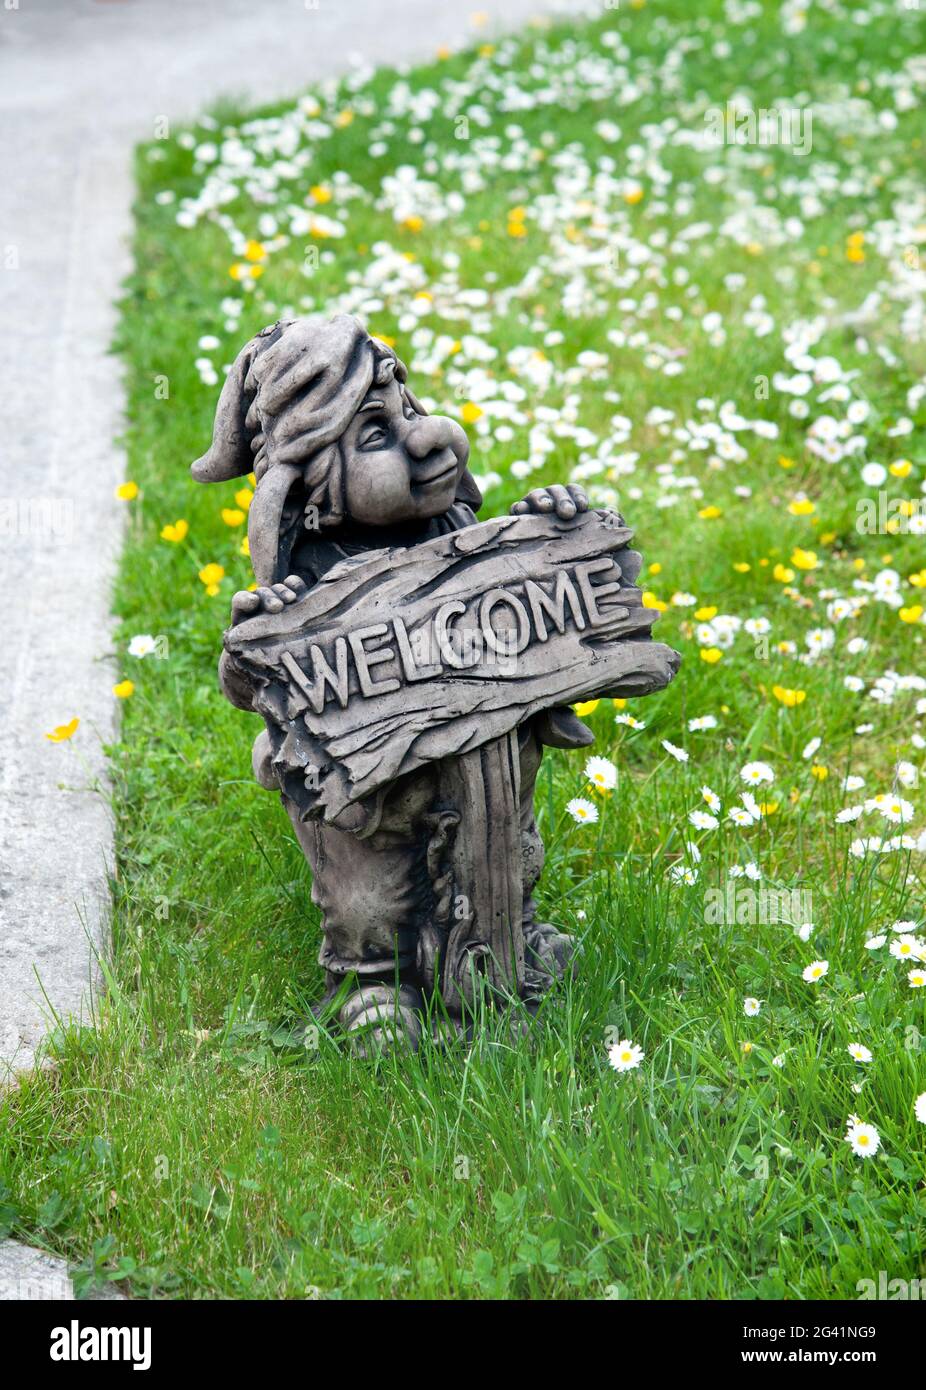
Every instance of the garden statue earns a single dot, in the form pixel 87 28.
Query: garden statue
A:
pixel 410 664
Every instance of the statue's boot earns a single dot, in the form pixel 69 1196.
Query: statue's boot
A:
pixel 380 1017
pixel 549 952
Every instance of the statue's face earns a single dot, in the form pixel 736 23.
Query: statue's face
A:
pixel 400 466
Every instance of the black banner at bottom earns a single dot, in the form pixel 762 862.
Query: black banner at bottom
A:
pixel 161 1338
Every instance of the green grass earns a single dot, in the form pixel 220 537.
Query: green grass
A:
pixel 187 1146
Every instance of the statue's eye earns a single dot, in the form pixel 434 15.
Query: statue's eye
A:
pixel 372 437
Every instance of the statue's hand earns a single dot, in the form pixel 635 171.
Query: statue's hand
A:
pixel 564 501
pixel 247 603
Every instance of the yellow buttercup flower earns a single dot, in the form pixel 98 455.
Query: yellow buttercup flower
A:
pixel 820 772
pixel 711 655
pixel 127 492
pixel 254 251
pixel 124 689
pixel 911 614
pixel 175 531
pixel 586 707
pixel 804 559
pixel 212 575
pixel 62 732
pixel 232 516
pixel 651 601
pixel 319 193
pixel 470 413
pixel 802 506
pixel 704 615
pixel 788 697
pixel 782 573
pixel 741 566
pixel 900 469
pixel 709 513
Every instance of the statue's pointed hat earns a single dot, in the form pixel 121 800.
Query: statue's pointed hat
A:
pixel 291 392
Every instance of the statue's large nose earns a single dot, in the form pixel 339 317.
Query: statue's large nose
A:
pixel 428 434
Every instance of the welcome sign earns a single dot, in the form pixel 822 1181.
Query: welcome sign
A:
pixel 409 656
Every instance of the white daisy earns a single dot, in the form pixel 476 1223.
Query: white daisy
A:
pixel 815 971
pixel 860 1052
pixel 625 1056
pixel 757 773
pixel 906 948
pixel 142 645
pixel 582 810
pixel 751 1006
pixel 630 720
pixel 602 773
pixel 864 1139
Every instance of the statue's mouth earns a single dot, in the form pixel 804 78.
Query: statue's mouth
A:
pixel 440 471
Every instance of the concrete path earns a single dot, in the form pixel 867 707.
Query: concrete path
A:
pixel 28 1275
pixel 80 82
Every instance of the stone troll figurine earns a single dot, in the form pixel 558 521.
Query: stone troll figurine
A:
pixel 408 769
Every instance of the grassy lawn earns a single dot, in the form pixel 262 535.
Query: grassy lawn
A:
pixel 725 341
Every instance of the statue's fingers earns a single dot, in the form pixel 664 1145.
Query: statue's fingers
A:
pixel 563 503
pixel 578 495
pixel 540 500
pixel 270 602
pixel 244 603
pixel 297 584
pixel 518 508
pixel 284 592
